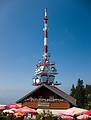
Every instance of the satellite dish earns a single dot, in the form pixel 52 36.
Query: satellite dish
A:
pixel 37 80
pixel 44 78
pixel 42 68
pixel 33 80
pixel 51 78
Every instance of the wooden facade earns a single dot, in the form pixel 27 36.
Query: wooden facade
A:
pixel 49 97
pixel 48 105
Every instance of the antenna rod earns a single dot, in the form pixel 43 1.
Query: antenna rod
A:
pixel 45 37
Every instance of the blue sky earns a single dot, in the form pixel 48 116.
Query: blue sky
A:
pixel 21 43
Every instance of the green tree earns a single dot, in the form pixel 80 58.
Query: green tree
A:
pixel 79 93
pixel 72 91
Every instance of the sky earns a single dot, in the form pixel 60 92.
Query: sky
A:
pixel 21 43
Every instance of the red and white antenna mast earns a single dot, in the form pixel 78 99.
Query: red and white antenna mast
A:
pixel 45 29
pixel 45 70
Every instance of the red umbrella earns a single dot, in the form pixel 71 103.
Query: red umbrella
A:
pixel 87 112
pixel 14 105
pixel 82 117
pixel 27 110
pixel 67 117
pixel 2 107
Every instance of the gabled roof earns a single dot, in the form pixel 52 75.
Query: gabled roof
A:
pixel 54 89
pixel 62 94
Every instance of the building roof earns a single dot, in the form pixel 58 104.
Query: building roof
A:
pixel 54 89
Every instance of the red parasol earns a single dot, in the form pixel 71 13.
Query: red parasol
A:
pixel 82 117
pixel 67 117
pixel 2 107
pixel 14 105
pixel 27 110
pixel 87 112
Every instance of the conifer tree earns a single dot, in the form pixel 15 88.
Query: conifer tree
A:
pixel 72 91
pixel 79 93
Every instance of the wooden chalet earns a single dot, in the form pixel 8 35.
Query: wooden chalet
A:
pixel 48 97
